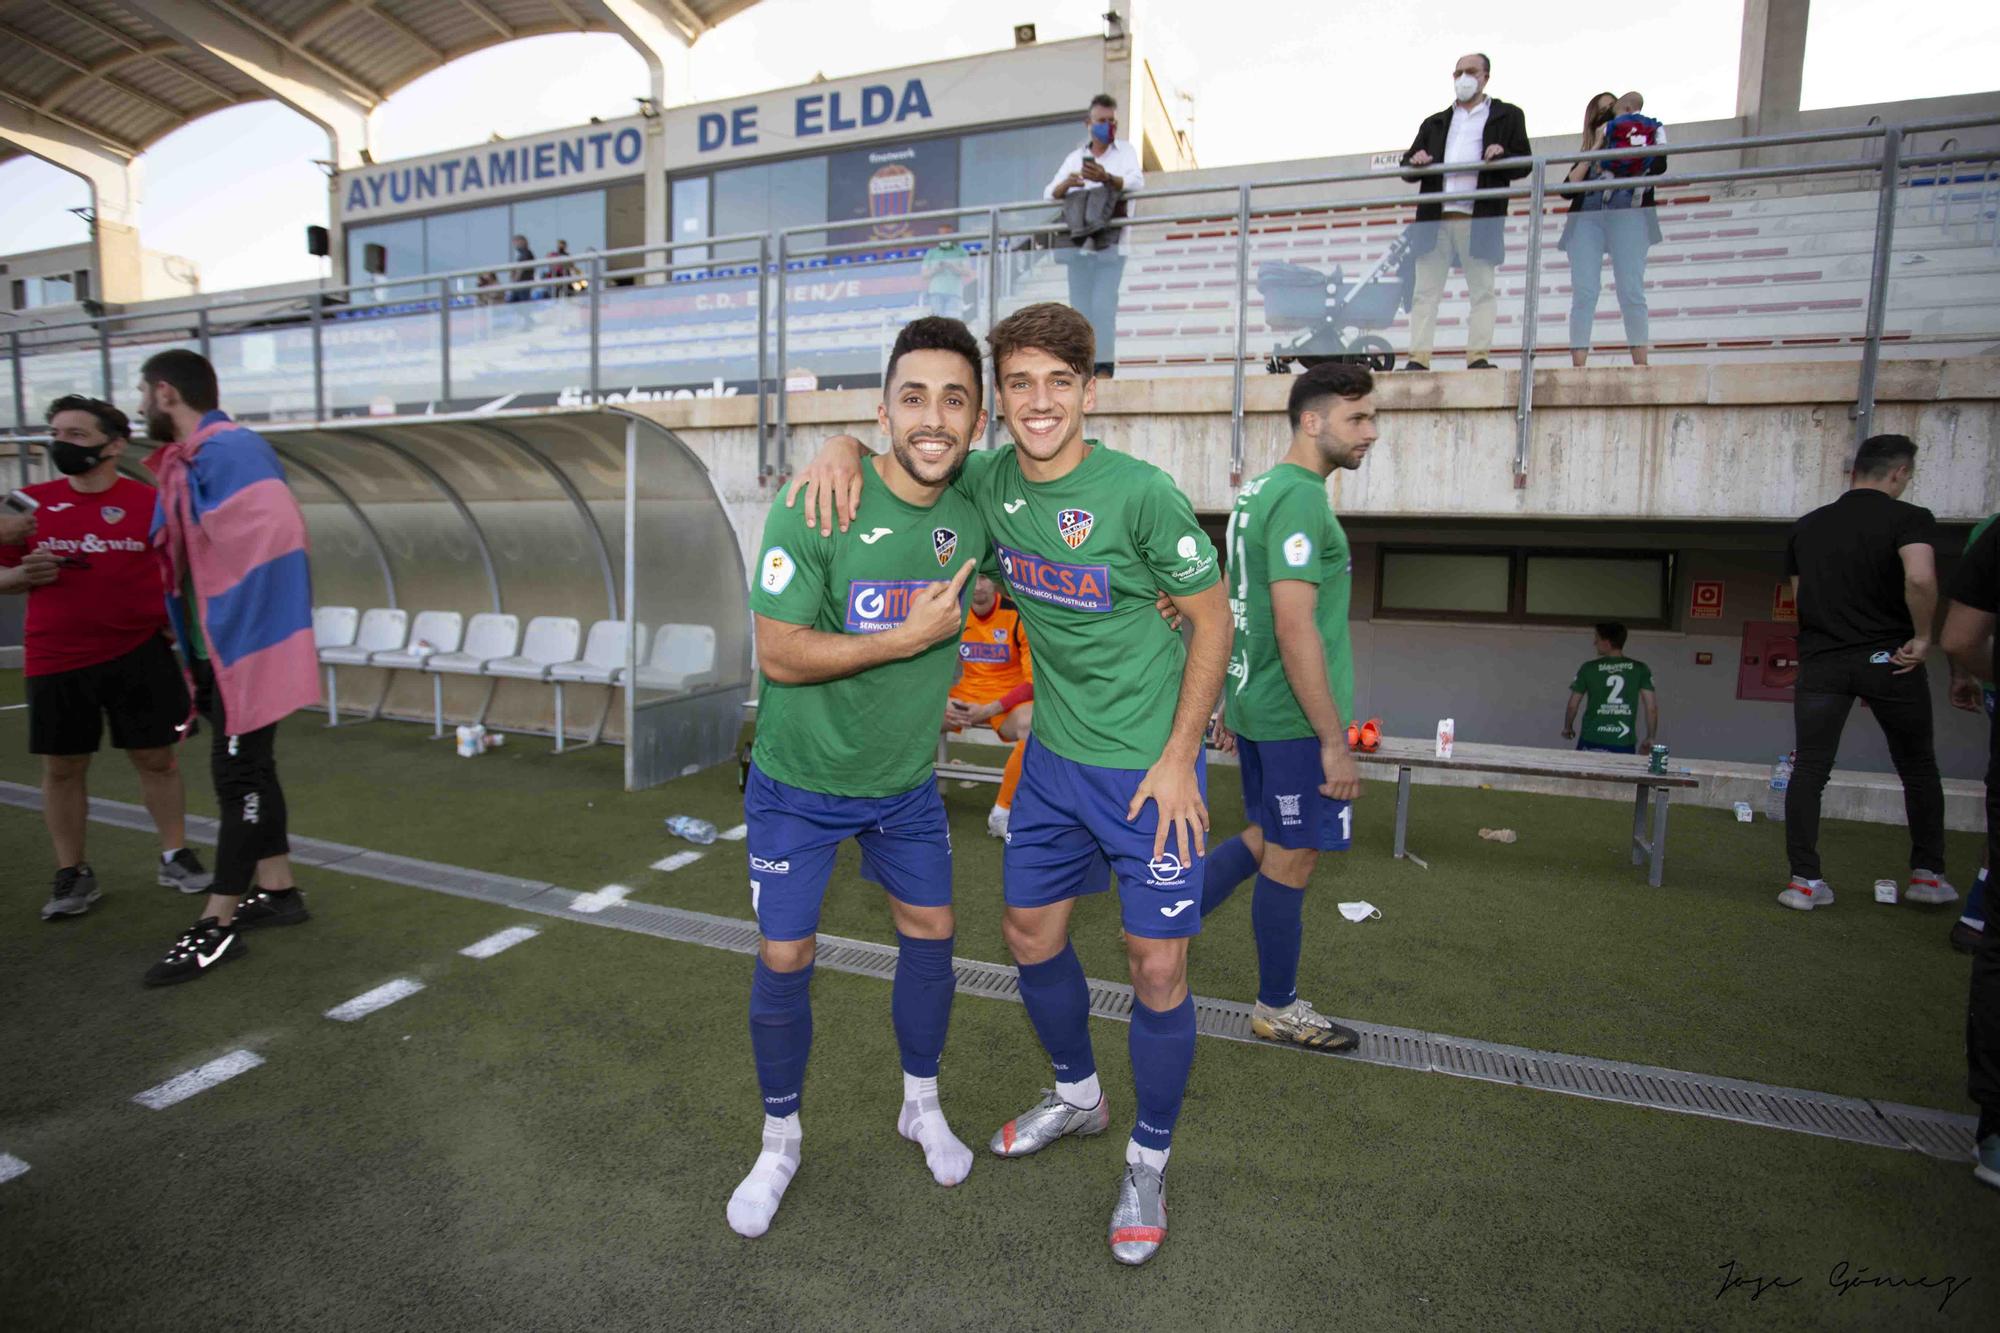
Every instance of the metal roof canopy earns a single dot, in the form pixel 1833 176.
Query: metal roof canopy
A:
pixel 114 76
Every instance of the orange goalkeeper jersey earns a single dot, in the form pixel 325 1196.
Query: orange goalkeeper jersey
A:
pixel 993 657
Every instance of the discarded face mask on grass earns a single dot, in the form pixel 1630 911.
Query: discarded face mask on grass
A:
pixel 1498 834
pixel 1360 911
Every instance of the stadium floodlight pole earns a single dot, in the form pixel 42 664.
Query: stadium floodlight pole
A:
pixel 779 383
pixel 445 341
pixel 1863 411
pixel 763 357
pixel 1242 334
pixel 595 268
pixel 1524 411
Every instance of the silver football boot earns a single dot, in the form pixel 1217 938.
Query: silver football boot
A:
pixel 1139 1222
pixel 1048 1120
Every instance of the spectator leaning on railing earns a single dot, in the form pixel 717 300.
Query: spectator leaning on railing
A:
pixel 1620 222
pixel 1474 129
pixel 1096 264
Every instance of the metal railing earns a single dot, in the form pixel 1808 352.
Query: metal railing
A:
pixel 750 277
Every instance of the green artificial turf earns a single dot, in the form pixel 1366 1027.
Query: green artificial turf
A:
pixel 545 1140
pixel 1553 942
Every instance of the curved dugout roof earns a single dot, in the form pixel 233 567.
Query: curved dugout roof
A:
pixel 107 69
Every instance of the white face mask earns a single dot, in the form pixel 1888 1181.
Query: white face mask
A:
pixel 1465 85
pixel 1360 911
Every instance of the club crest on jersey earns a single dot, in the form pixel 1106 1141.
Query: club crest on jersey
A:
pixel 944 541
pixel 112 514
pixel 1074 526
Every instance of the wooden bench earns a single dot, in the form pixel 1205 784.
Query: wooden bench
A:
pixel 1569 765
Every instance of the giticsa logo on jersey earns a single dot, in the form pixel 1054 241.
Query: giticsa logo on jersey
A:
pixel 944 541
pixel 874 605
pixel 1074 526
pixel 1078 587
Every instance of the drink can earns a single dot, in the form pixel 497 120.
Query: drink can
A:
pixel 1885 891
pixel 1447 732
pixel 1658 763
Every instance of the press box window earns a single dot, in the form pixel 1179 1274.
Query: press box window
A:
pixel 1446 583
pixel 1632 589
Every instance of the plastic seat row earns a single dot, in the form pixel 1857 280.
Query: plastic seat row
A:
pixel 492 645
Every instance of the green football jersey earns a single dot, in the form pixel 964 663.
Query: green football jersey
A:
pixel 874 733
pixel 1283 528
pixel 1084 557
pixel 1610 687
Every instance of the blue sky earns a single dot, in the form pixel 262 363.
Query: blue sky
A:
pixel 1281 79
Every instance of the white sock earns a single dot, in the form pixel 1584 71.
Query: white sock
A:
pixel 168 856
pixel 922 1122
pixel 1153 1157
pixel 756 1200
pixel 1082 1095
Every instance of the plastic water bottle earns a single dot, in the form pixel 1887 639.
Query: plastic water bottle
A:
pixel 1781 781
pixel 698 831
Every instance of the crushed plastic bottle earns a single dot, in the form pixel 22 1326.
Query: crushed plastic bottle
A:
pixel 1781 781
pixel 697 831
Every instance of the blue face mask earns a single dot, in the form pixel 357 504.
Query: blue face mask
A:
pixel 1101 131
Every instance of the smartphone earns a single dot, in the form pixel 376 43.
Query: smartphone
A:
pixel 20 502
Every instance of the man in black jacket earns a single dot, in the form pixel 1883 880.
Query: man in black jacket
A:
pixel 1474 129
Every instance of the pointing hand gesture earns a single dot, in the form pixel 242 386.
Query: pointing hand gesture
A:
pixel 936 613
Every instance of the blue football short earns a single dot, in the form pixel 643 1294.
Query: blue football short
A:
pixel 1281 795
pixel 792 835
pixel 1067 836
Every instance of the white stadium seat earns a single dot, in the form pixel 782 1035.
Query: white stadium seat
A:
pixel 431 632
pixel 334 626
pixel 382 628
pixel 683 658
pixel 550 639
pixel 603 658
pixel 491 635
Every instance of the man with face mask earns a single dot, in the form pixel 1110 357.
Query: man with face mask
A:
pixel 1470 234
pixel 97 648
pixel 240 594
pixel 1104 161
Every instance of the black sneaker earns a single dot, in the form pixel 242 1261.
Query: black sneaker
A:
pixel 205 946
pixel 1481 364
pixel 74 890
pixel 1413 365
pixel 185 872
pixel 264 908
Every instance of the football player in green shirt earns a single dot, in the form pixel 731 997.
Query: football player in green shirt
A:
pixel 1609 689
pixel 1291 690
pixel 1087 538
pixel 857 645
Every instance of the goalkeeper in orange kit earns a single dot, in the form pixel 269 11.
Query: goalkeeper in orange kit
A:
pixel 996 686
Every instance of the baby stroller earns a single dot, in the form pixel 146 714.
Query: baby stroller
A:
pixel 1296 297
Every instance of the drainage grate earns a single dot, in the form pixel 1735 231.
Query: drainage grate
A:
pixel 1852 1119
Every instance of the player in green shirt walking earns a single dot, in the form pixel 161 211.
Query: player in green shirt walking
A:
pixel 1609 690
pixel 1291 690
pixel 857 644
pixel 1086 538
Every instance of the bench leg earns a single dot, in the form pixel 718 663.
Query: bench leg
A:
pixel 1659 849
pixel 559 717
pixel 492 688
pixel 1639 824
pixel 437 705
pixel 332 698
pixel 1402 811
pixel 382 699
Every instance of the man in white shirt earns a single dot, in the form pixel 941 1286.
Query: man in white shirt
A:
pixel 1096 269
pixel 1471 234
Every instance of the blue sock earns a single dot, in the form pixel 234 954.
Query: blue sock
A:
pixel 1226 866
pixel 1162 1054
pixel 1277 918
pixel 1975 902
pixel 920 1003
pixel 1058 1004
pixel 781 1034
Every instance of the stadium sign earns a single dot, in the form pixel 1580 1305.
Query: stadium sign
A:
pixel 543 162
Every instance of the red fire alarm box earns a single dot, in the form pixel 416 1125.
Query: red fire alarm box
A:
pixel 1768 666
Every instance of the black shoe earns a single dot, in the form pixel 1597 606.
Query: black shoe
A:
pixel 185 872
pixel 1481 364
pixel 204 947
pixel 264 908
pixel 74 890
pixel 1964 938
pixel 1413 365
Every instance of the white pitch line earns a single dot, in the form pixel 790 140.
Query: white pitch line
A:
pixel 11 1166
pixel 736 834
pixel 368 1002
pixel 500 942
pixel 608 896
pixel 677 860
pixel 199 1079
